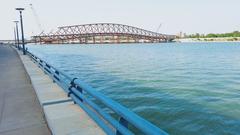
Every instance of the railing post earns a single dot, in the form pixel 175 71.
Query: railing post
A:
pixel 72 85
pixel 77 87
pixel 123 122
pixel 53 77
pixel 81 91
pixel 56 77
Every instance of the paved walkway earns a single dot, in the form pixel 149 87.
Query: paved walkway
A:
pixel 20 111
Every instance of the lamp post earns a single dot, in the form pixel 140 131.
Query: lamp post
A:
pixel 21 21
pixel 15 38
pixel 16 30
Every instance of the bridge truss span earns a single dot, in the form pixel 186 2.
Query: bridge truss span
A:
pixel 102 33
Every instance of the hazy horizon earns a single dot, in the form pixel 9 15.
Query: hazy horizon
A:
pixel 186 16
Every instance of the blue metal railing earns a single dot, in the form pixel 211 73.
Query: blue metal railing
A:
pixel 84 95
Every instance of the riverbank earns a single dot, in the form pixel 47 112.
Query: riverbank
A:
pixel 226 39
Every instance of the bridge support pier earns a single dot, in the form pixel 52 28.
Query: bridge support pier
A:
pixel 94 40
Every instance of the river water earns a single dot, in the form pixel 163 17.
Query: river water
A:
pixel 183 88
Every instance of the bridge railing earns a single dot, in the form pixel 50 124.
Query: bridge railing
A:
pixel 86 97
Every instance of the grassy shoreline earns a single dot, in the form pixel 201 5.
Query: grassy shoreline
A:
pixel 224 39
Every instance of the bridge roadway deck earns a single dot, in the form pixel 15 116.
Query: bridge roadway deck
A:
pixel 20 111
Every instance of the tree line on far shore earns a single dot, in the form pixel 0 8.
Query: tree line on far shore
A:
pixel 212 35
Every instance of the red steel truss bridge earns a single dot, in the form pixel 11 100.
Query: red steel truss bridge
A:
pixel 101 33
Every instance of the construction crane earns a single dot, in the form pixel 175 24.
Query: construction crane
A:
pixel 36 18
pixel 160 25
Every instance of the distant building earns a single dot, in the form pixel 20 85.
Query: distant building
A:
pixel 181 35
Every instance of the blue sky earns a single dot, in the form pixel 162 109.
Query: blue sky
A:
pixel 190 16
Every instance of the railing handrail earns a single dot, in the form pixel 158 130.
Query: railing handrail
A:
pixel 125 114
pixel 137 121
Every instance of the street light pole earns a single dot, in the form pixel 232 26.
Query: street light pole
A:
pixel 21 21
pixel 16 22
pixel 15 39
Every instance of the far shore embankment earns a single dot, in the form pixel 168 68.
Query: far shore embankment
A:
pixel 225 39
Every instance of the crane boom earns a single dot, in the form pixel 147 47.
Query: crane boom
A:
pixel 36 18
pixel 160 25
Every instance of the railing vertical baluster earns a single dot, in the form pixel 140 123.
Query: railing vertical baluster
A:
pixel 72 85
pixel 123 122
pixel 57 75
pixel 81 91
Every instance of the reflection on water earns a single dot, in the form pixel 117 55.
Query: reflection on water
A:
pixel 191 88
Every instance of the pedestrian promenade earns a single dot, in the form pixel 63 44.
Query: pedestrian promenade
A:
pixel 20 111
